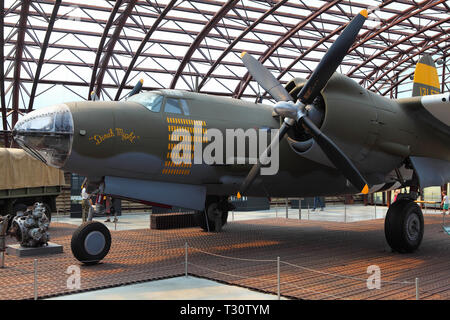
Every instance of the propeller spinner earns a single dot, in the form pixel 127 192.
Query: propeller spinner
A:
pixel 292 112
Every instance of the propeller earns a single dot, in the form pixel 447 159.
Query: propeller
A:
pixel 293 112
pixel 94 96
pixel 137 88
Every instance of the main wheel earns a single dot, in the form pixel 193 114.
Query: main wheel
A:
pixel 403 226
pixel 91 242
pixel 213 219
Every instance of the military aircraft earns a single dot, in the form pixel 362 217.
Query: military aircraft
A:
pixel 334 138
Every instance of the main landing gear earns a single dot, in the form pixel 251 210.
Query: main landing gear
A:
pixel 215 215
pixel 403 226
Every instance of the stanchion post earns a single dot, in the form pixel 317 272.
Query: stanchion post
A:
pixel 232 214
pixel 375 202
pixel 345 212
pixel 186 259
pixel 308 211
pixel 2 259
pixel 417 289
pixel 276 209
pixel 278 278
pixel 35 280
pixel 300 208
pixel 286 201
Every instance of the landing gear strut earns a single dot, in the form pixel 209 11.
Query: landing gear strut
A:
pixel 404 226
pixel 215 215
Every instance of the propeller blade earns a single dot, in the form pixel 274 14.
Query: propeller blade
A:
pixel 137 88
pixel 265 78
pixel 94 96
pixel 309 92
pixel 254 172
pixel 336 156
pixel 332 59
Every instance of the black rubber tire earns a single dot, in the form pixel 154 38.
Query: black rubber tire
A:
pixel 79 250
pixel 200 218
pixel 398 235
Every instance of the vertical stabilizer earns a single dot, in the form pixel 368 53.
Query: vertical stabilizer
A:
pixel 426 79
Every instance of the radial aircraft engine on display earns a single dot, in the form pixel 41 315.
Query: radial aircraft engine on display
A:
pixel 334 138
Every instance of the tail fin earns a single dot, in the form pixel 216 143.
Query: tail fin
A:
pixel 426 79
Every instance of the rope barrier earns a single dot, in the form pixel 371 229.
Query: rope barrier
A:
pixel 233 258
pixel 229 274
pixel 301 267
pixel 315 292
pixel 343 276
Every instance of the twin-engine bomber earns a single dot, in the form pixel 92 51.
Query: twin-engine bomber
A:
pixel 330 137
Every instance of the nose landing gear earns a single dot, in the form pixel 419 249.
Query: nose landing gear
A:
pixel 91 242
pixel 404 226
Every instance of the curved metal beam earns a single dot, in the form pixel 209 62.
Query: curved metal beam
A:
pixel 37 74
pixel 111 43
pixel 2 73
pixel 142 45
pixel 398 82
pixel 101 44
pixel 431 45
pixel 377 54
pixel 240 88
pixel 364 37
pixel 405 52
pixel 237 39
pixel 18 60
pixel 194 46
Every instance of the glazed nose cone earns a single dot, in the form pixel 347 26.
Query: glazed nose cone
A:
pixel 46 134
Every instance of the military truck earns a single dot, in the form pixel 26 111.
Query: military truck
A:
pixel 24 181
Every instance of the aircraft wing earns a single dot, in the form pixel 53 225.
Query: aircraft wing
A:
pixel 432 111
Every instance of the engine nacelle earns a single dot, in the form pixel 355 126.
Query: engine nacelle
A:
pixel 349 115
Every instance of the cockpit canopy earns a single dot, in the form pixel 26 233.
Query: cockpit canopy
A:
pixel 154 100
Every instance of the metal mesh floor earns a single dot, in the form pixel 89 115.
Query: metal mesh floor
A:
pixel 319 260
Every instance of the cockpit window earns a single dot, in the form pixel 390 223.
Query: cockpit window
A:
pixel 172 106
pixel 178 106
pixel 152 101
pixel 185 107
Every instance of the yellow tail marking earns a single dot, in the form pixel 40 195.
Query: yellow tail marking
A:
pixel 426 75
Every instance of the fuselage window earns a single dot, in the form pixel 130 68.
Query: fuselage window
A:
pixel 149 100
pixel 172 106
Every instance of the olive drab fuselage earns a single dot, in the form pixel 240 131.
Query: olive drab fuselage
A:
pixel 125 139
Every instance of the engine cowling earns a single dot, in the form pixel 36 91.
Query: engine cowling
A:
pixel 346 112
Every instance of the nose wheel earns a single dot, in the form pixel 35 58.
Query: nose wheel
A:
pixel 404 226
pixel 91 242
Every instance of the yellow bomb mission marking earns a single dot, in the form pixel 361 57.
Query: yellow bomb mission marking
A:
pixel 118 132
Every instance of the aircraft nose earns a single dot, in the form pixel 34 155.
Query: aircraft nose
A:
pixel 46 134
